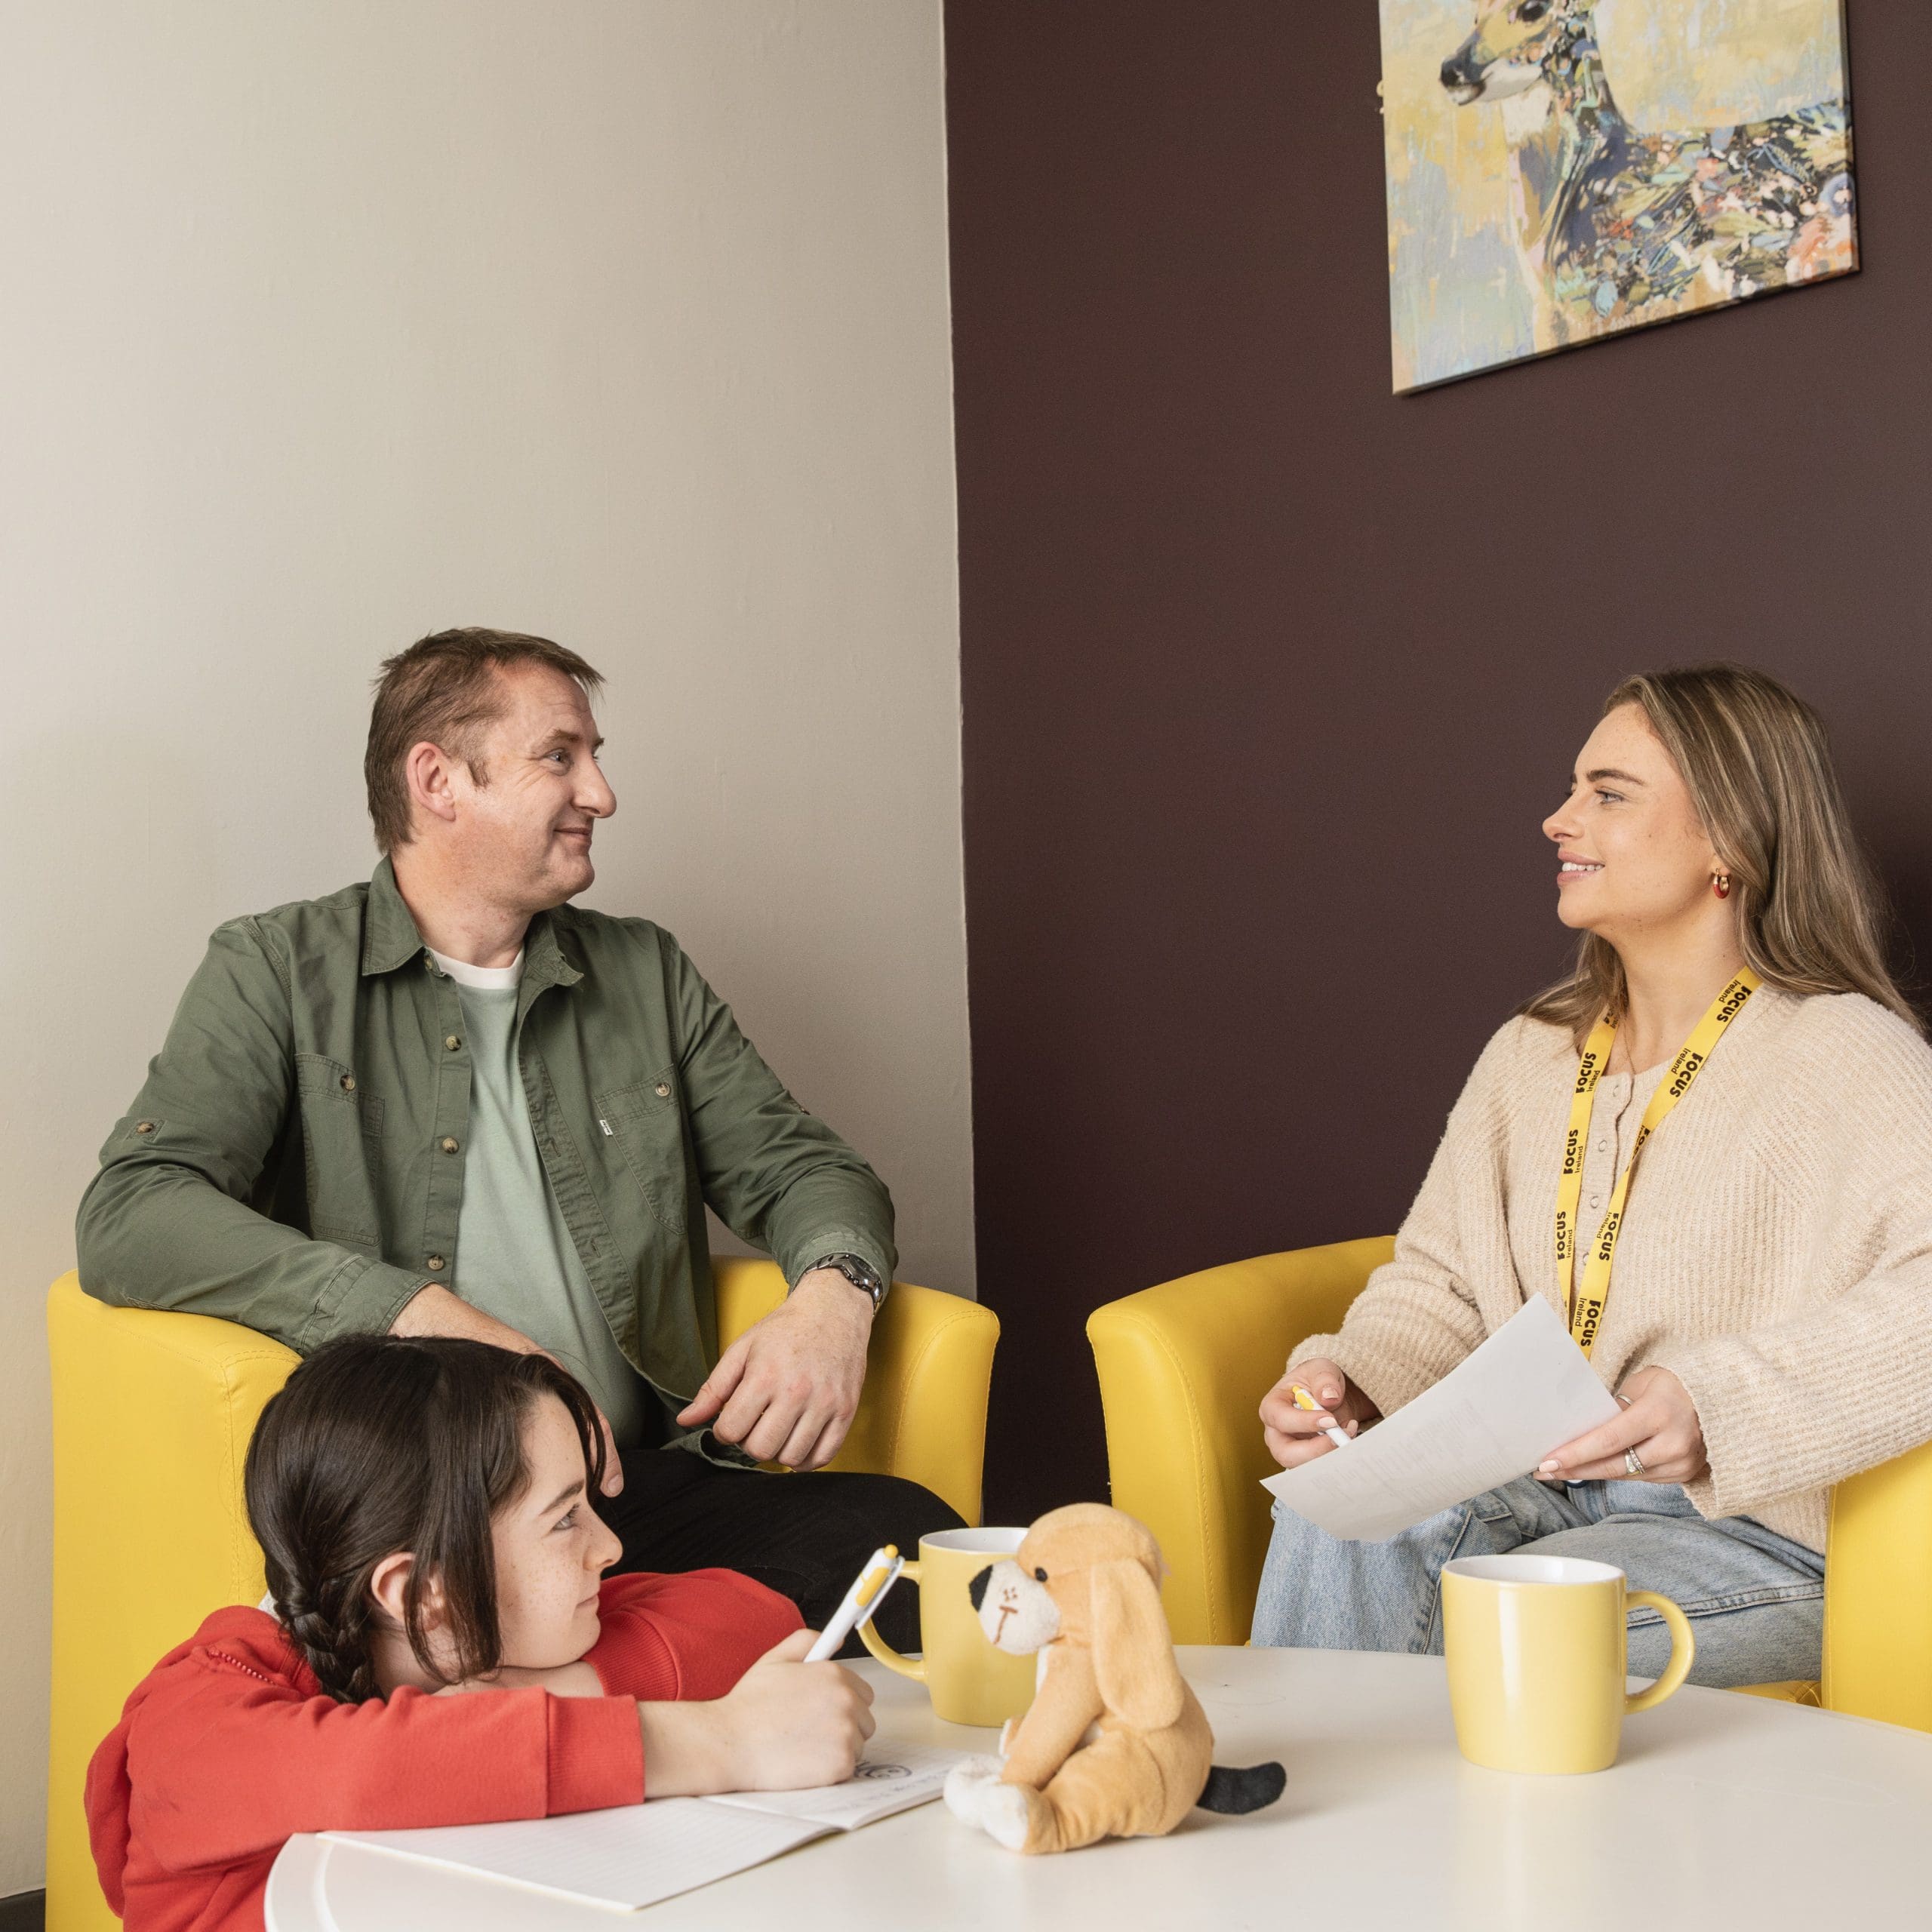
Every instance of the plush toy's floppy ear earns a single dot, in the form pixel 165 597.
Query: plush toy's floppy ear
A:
pixel 1133 1656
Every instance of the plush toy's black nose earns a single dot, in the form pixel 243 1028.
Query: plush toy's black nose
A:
pixel 976 1589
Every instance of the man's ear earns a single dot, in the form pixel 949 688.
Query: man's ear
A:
pixel 1134 1655
pixel 431 776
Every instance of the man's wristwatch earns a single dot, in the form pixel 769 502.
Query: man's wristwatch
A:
pixel 861 1274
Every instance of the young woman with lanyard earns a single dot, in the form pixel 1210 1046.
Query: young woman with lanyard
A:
pixel 1711 1147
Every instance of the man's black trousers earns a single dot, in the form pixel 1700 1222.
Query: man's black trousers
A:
pixel 804 1535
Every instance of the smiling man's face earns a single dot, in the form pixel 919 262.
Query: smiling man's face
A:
pixel 524 830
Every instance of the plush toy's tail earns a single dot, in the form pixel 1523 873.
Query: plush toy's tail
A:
pixel 1236 1791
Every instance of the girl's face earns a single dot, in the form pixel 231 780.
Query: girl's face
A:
pixel 1633 857
pixel 550 1549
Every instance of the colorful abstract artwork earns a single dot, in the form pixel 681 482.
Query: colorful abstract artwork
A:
pixel 1563 170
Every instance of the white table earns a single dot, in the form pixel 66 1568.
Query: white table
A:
pixel 1724 1811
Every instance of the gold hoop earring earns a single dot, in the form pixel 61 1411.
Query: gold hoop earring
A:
pixel 1721 884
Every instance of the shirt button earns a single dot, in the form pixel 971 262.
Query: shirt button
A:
pixel 1596 1200
pixel 449 1144
pixel 434 1263
pixel 453 1042
pixel 663 1089
pixel 144 1127
pixel 1603 1147
pixel 348 1083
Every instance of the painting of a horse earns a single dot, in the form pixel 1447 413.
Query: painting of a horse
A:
pixel 1567 217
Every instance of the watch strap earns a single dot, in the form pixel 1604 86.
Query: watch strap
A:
pixel 859 1272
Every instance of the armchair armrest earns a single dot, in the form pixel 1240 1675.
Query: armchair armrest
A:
pixel 1183 1367
pixel 1878 1593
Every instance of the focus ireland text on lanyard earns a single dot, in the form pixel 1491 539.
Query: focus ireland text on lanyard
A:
pixel 1585 1305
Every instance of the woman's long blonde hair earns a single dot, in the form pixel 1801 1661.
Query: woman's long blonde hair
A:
pixel 1811 916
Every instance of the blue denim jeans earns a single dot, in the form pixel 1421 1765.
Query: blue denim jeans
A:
pixel 1755 1599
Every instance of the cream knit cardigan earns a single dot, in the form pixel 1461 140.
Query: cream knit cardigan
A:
pixel 1775 1256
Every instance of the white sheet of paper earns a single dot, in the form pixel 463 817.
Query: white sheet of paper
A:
pixel 634 1855
pixel 892 1780
pixel 1528 1390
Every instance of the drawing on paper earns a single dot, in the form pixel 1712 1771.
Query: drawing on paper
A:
pixel 1563 170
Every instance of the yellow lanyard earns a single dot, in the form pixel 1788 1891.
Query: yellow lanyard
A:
pixel 1586 1308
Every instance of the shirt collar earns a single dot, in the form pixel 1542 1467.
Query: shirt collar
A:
pixel 390 939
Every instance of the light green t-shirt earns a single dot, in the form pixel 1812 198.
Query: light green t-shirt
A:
pixel 514 1258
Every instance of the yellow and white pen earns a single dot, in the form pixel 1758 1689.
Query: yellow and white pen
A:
pixel 867 1592
pixel 1303 1400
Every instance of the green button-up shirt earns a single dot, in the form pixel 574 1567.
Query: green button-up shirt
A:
pixel 287 1164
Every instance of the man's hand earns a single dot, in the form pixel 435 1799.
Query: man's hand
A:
pixel 788 1387
pixel 1292 1434
pixel 1659 1421
pixel 433 1310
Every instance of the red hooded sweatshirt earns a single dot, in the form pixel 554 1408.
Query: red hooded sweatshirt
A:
pixel 228 1746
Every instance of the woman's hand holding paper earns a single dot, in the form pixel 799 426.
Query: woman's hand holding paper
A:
pixel 1659 1421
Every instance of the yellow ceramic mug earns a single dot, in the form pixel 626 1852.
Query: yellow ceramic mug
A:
pixel 970 1682
pixel 1536 1649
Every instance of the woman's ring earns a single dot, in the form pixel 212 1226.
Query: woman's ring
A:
pixel 1632 1463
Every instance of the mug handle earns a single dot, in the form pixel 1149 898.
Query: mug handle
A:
pixel 906 1667
pixel 1683 1651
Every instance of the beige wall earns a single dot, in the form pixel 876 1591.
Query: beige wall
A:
pixel 624 320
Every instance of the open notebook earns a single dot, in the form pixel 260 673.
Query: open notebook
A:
pixel 637 1854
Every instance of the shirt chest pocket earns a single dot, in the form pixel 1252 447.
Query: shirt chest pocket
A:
pixel 645 1124
pixel 342 1129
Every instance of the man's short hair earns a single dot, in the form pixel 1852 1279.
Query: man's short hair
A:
pixel 444 691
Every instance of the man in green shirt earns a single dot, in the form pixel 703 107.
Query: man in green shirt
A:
pixel 449 1103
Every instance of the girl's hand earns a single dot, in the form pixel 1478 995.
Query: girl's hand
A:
pixel 1294 1434
pixel 787 1725
pixel 1659 1421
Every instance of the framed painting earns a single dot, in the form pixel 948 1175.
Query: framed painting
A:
pixel 1559 170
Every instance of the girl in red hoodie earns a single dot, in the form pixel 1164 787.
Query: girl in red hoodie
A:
pixel 442 1651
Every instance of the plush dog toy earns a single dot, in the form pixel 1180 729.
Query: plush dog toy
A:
pixel 1114 1745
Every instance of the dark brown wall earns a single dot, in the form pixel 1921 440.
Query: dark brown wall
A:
pixel 1269 677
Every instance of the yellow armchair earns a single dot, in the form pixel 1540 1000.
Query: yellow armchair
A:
pixel 1183 1367
pixel 152 1416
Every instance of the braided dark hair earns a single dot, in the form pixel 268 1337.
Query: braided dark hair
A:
pixel 332 1630
pixel 382 1442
